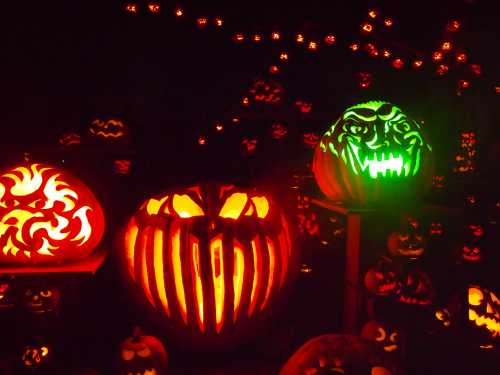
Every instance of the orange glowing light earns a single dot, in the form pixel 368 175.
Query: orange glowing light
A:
pixel 202 141
pixel 463 84
pixel 131 7
pixel 366 27
pixel 388 22
pixel 198 284
pixel 354 47
pixel 330 39
pixel 271 253
pixel 158 269
pixel 238 273
pixel 299 38
pixel 446 46
pixel 218 279
pixel 46 216
pixel 257 38
pixel 261 205
pixel 130 240
pixel 453 26
pixel 417 64
pixel 154 7
pixel 497 89
pixel 219 127
pixel 186 207
pixel 179 12
pixel 386 53
pixel 313 46
pixel 398 63
pixel 437 56
pixel 144 267
pixel 245 101
pixel 239 37
pixel 275 35
pixel 218 21
pixel 257 263
pixel 284 56
pixel 202 22
pixel 273 69
pixel 372 13
pixel 476 69
pixel 461 57
pixel 233 207
pixel 235 120
pixel 177 268
pixel 442 69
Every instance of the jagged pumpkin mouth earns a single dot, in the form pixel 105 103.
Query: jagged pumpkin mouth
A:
pixel 491 324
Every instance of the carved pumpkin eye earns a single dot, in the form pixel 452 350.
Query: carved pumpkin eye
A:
pixel 44 350
pixel 403 237
pixel 185 207
pixel 261 206
pixel 356 129
pixel 46 293
pixel 475 296
pixel 394 337
pixel 146 352
pixel 128 355
pixel 234 205
pixel 494 298
pixel 381 334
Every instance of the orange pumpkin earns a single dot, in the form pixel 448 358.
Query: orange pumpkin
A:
pixel 46 216
pixel 212 260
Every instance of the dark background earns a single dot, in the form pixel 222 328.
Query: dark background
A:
pixel 66 63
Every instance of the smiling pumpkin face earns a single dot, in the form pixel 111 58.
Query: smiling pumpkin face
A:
pixel 41 300
pixel 373 148
pixel 142 355
pixel 382 334
pixel 484 311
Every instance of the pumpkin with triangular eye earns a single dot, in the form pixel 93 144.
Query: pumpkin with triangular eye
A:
pixel 211 261
pixel 484 315
pixel 406 244
pixel 142 354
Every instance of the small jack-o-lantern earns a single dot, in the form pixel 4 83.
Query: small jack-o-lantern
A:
pixel 34 356
pixel 46 216
pixel 410 245
pixel 7 297
pixel 373 153
pixel 142 354
pixel 443 316
pixel 310 139
pixel 471 249
pixel 213 260
pixel 381 280
pixel 415 288
pixel 110 130
pixel 41 300
pixel 436 229
pixel 383 334
pixel 340 354
pixel 484 311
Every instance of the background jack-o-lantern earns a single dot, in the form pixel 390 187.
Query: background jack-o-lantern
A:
pixel 385 335
pixel 373 153
pixel 42 300
pixel 415 288
pixel 142 354
pixel 36 355
pixel 46 216
pixel 406 244
pixel 381 279
pixel 112 130
pixel 212 260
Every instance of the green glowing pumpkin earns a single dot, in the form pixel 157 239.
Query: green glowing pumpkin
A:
pixel 373 152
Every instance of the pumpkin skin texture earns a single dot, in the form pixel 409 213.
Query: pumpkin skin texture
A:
pixel 211 260
pixel 46 216
pixel 373 154
pixel 143 354
pixel 339 354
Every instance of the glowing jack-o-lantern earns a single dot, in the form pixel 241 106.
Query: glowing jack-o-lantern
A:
pixel 484 310
pixel 374 152
pixel 46 216
pixel 109 130
pixel 383 334
pixel 212 260
pixel 35 356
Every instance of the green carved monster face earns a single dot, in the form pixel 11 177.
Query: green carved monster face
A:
pixel 376 139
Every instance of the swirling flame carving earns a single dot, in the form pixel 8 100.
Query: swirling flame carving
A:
pixel 43 215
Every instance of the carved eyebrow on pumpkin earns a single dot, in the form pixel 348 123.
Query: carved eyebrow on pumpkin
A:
pixel 382 334
pixel 233 206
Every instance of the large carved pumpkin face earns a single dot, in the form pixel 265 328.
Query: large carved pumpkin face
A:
pixel 46 215
pixel 484 311
pixel 373 141
pixel 210 258
pixel 144 355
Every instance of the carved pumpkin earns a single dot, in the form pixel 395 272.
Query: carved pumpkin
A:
pixel 110 130
pixel 339 354
pixel 373 153
pixel 69 139
pixel 41 300
pixel 7 297
pixel 383 334
pixel 248 146
pixel 142 354
pixel 436 229
pixel 484 311
pixel 406 244
pixel 415 288
pixel 46 216
pixel 34 356
pixel 212 260
pixel 381 280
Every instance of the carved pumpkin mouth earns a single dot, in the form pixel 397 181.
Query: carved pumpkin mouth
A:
pixel 382 163
pixel 146 372
pixel 492 324
pixel 387 288
pixel 390 348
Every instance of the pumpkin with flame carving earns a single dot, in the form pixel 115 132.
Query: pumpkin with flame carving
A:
pixel 212 261
pixel 46 216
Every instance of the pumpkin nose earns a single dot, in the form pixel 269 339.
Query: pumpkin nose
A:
pixel 489 309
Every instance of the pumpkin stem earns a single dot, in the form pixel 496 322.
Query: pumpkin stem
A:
pixel 136 333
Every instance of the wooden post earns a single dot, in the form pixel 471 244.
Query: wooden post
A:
pixel 352 270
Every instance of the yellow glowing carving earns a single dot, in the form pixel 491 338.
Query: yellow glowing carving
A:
pixel 53 194
pixel 158 269
pixel 153 206
pixel 177 266
pixel 491 324
pixel 130 239
pixel 198 285
pixel 261 205
pixel 272 261
pixel 185 206
pixel 256 276
pixel 475 296
pixel 218 278
pixel 145 275
pixel 238 273
pixel 234 206
pixel 29 182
